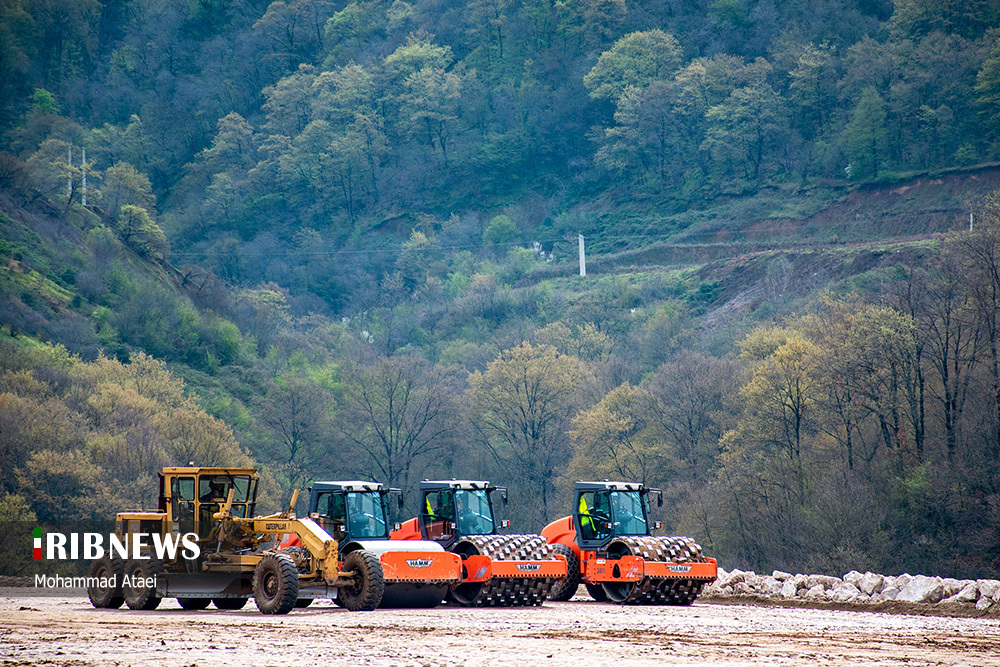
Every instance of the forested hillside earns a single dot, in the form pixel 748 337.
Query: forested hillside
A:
pixel 338 239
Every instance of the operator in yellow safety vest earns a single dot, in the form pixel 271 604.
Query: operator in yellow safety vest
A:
pixel 586 523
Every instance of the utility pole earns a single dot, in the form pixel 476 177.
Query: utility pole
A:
pixel 583 258
pixel 69 179
pixel 970 221
pixel 84 165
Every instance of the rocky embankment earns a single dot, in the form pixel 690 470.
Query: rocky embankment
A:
pixel 857 588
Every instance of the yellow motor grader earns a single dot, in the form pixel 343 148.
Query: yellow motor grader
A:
pixel 237 552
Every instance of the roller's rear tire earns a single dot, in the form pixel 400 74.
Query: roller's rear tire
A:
pixel 566 588
pixel 107 570
pixel 230 604
pixel 137 570
pixel 365 594
pixel 194 604
pixel 596 591
pixel 275 584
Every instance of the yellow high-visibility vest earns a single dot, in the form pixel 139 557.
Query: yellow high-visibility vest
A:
pixel 585 519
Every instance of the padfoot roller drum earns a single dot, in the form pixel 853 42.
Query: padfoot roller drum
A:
pixel 505 590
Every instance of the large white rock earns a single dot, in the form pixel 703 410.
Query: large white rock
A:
pixel 788 589
pixel 871 583
pixel 845 592
pixel 853 578
pixel 989 588
pixel 773 587
pixel 817 592
pixel 922 589
pixel 902 580
pixel 951 587
pixel 821 580
pixel 742 588
pixel 734 577
pixel 888 593
pixel 966 595
pixel 984 603
pixel 781 576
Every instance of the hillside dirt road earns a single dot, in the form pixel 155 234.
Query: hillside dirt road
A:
pixel 68 631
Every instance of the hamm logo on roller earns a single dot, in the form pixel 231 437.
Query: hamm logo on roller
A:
pixel 680 569
pixel 418 562
pixel 529 567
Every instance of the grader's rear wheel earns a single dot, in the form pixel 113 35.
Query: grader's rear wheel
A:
pixel 365 593
pixel 136 588
pixel 106 572
pixel 566 588
pixel 194 604
pixel 275 584
pixel 230 604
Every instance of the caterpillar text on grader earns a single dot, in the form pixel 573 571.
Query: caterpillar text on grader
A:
pixel 609 548
pixel 237 557
pixel 416 574
pixel 497 570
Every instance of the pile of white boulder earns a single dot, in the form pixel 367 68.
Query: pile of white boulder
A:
pixel 857 588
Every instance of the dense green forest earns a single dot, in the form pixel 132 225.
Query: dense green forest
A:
pixel 338 239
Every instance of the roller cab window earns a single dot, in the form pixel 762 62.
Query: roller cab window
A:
pixel 439 514
pixel 473 513
pixel 628 513
pixel 594 515
pixel 366 516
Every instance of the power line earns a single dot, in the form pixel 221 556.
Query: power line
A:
pixel 429 248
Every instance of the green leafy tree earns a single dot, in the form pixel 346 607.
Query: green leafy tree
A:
pixel 139 231
pixel 866 137
pixel 521 408
pixel 637 59
pixel 988 88
pixel 123 184
pixel 399 413
pixel 501 231
pixel 617 439
pixel 289 103
pixel 746 128
pixel 430 107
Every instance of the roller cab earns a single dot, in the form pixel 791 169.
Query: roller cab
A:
pixel 417 573
pixel 499 570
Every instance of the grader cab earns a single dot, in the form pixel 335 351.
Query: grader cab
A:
pixel 237 555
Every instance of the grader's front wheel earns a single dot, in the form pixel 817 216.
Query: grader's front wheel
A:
pixel 105 575
pixel 365 593
pixel 139 585
pixel 275 584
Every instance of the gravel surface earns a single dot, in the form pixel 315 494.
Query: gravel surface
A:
pixel 68 631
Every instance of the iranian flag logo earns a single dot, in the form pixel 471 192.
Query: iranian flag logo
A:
pixel 38 543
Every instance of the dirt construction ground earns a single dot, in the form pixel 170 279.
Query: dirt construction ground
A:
pixel 68 631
